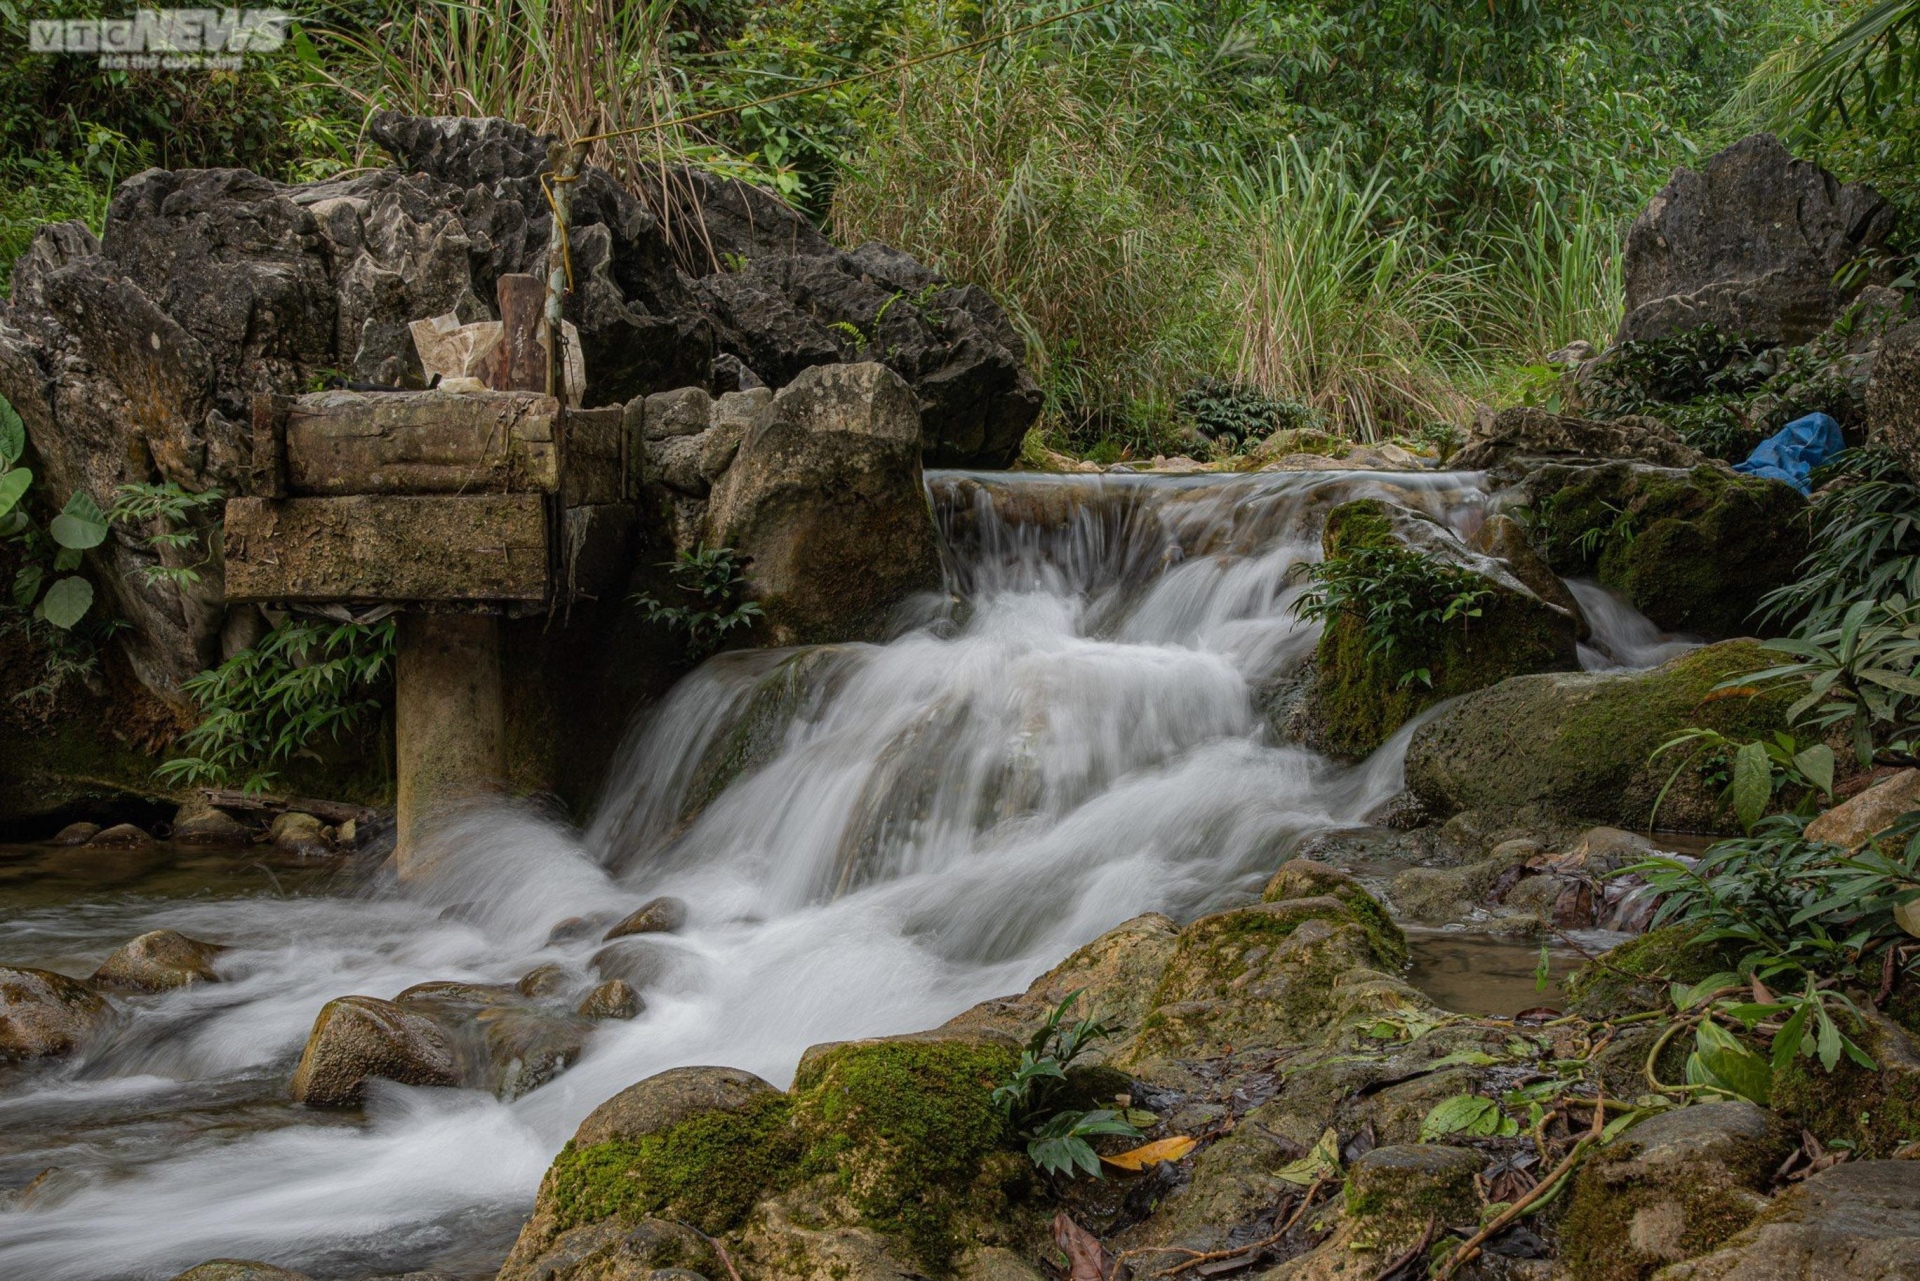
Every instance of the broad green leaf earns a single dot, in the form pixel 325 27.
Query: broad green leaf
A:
pixel 1468 1114
pixel 13 434
pixel 1752 783
pixel 1786 1042
pixel 1723 1060
pixel 1816 765
pixel 67 601
pixel 1323 1162
pixel 13 484
pixel 1685 997
pixel 66 560
pixel 81 524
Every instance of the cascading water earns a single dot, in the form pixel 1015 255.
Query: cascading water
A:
pixel 871 838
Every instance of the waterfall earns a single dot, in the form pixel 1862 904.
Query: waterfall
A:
pixel 870 838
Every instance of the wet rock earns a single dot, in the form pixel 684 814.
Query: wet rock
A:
pixel 159 961
pixel 356 1038
pixel 1517 441
pixel 1675 1185
pixel 501 1041
pixel 575 928
pixel 75 834
pixel 651 1250
pixel 1858 1219
pixel 611 1000
pixel 634 961
pixel 121 836
pixel 544 981
pixel 300 835
pixel 1393 1190
pixel 1503 538
pixel 1303 878
pixel 1854 822
pixel 46 1015
pixel 198 823
pixel 1692 550
pixel 1876 1111
pixel 1116 975
pixel 663 915
pixel 1577 744
pixel 666 1099
pixel 1359 696
pixel 1751 244
pixel 240 1270
pixel 825 503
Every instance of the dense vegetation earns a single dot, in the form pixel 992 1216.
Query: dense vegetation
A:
pixel 1376 211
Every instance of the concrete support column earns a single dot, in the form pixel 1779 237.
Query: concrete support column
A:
pixel 449 722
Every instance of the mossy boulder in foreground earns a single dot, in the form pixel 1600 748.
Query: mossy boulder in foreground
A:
pixel 1579 743
pixel 1362 693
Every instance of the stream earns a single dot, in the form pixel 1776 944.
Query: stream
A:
pixel 1068 737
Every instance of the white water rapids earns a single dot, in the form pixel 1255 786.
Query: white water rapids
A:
pixel 1070 740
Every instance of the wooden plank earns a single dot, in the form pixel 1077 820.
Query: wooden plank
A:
pixel 265 475
pixel 421 442
pixel 451 549
pixel 519 363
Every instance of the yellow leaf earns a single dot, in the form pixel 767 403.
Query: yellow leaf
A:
pixel 1151 1153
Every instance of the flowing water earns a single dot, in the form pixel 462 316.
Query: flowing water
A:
pixel 1068 737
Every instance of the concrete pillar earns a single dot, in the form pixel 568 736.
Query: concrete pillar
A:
pixel 449 724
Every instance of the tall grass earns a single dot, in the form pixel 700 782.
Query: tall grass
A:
pixel 1332 310
pixel 1552 279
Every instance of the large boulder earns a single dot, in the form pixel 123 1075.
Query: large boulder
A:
pixel 1858 1219
pixel 1750 244
pixel 1514 441
pixel 1578 743
pixel 1694 550
pixel 359 1038
pixel 825 503
pixel 1362 693
pixel 46 1015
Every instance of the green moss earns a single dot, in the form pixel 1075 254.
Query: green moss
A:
pixel 1658 957
pixel 708 1170
pixel 1363 694
pixel 1875 1110
pixel 1596 1236
pixel 909 1131
pixel 1302 878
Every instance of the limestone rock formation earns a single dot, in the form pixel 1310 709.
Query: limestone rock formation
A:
pixel 824 501
pixel 1750 243
pixel 1893 397
pixel 1859 1219
pixel 1513 441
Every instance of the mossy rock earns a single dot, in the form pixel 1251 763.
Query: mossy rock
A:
pixel 1635 975
pixel 1579 744
pixel 1675 1186
pixel 908 1130
pixel 1362 694
pixel 1694 550
pixel 1876 1110
pixel 1393 1190
pixel 1304 878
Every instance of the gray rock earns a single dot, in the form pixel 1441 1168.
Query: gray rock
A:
pixel 47 1015
pixel 502 1040
pixel 825 502
pixel 651 1250
pixel 239 1270
pixel 1750 244
pixel 1517 440
pixel 358 1038
pixel 198 823
pixel 158 961
pixel 663 915
pixel 121 836
pixel 635 961
pixel 75 834
pixel 301 835
pixel 1893 397
pixel 667 1098
pixel 1857 1220
pixel 613 999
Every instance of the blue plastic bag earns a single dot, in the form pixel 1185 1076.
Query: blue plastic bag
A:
pixel 1792 453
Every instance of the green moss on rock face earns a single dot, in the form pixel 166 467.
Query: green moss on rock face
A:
pixel 1693 550
pixel 1877 1111
pixel 908 1129
pixel 1659 957
pixel 1578 743
pixel 1303 878
pixel 708 1170
pixel 1362 694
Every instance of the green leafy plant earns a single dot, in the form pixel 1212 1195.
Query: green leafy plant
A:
pixel 1399 596
pixel 171 508
pixel 1467 1114
pixel 1860 672
pixel 710 579
pixel 1753 773
pixel 1056 1138
pixel 1235 415
pixel 267 703
pixel 45 584
pixel 1865 524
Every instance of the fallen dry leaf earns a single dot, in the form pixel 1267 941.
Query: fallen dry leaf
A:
pixel 1151 1153
pixel 1087 1259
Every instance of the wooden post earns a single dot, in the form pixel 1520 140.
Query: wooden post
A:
pixel 449 721
pixel 518 363
pixel 557 269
